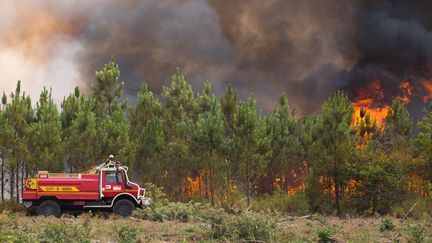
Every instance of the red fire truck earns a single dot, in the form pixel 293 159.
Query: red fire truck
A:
pixel 106 188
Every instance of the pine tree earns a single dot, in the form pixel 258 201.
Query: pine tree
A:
pixel 334 144
pixel 423 143
pixel 398 119
pixel 108 88
pixel 287 152
pixel 147 135
pixel 70 107
pixel 5 135
pixel 82 142
pixel 18 117
pixel 113 135
pixel 250 145
pixel 210 140
pixel 179 116
pixel 47 131
pixel 228 104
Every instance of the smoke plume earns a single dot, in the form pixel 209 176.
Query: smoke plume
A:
pixel 306 49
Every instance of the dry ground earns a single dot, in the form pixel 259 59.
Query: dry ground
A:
pixel 103 227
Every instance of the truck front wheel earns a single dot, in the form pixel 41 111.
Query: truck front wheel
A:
pixel 123 207
pixel 49 208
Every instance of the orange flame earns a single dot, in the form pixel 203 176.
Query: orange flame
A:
pixel 428 86
pixel 366 98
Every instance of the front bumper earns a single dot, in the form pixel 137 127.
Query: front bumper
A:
pixel 145 201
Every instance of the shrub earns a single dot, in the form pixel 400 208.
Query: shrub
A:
pixel 325 235
pixel 387 225
pixel 245 225
pixel 55 233
pixel 422 207
pixel 296 204
pixel 398 211
pixel 182 212
pixel 158 197
pixel 416 233
pixel 126 234
pixel 67 232
pixel 12 206
pixel 254 226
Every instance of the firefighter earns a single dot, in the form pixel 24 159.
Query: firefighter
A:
pixel 109 162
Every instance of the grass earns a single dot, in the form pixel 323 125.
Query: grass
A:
pixel 16 227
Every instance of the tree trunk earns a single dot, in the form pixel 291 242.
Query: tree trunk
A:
pixel 207 183
pixel 199 184
pixel 337 194
pixel 272 179
pixel 228 185
pixel 11 182
pixel 374 203
pixel 22 176
pixel 286 184
pixel 211 188
pixel 2 177
pixel 222 197
pixel 248 185
pixel 17 182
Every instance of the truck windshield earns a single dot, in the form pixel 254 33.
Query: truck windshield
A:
pixel 113 177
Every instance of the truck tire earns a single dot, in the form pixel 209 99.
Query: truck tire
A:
pixel 123 207
pixel 49 208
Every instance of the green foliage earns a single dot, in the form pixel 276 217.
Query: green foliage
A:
pixel 66 232
pixel 222 151
pixel 126 234
pixel 382 181
pixel 245 225
pixel 209 137
pixel 147 135
pixel 11 206
pixel 283 133
pixel 108 88
pixel 398 118
pixel 179 116
pixel 415 232
pixel 113 133
pixel 46 144
pixel 250 145
pixel 253 226
pixel 296 204
pixel 325 235
pixel 387 225
pixel 333 149
pixel 79 137
pixel 424 144
pixel 156 194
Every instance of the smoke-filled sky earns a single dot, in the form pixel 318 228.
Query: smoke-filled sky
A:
pixel 306 49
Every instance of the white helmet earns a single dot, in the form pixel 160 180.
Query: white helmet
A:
pixel 111 156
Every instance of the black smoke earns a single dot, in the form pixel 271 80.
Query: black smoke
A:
pixel 304 48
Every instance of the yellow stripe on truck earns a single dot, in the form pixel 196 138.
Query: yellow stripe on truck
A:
pixel 54 192
pixel 59 189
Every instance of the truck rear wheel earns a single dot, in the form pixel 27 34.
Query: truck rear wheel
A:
pixel 49 208
pixel 123 207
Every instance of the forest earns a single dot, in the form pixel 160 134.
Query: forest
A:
pixel 221 150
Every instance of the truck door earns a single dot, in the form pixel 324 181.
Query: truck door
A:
pixel 112 183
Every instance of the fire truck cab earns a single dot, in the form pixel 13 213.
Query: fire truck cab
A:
pixel 108 188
